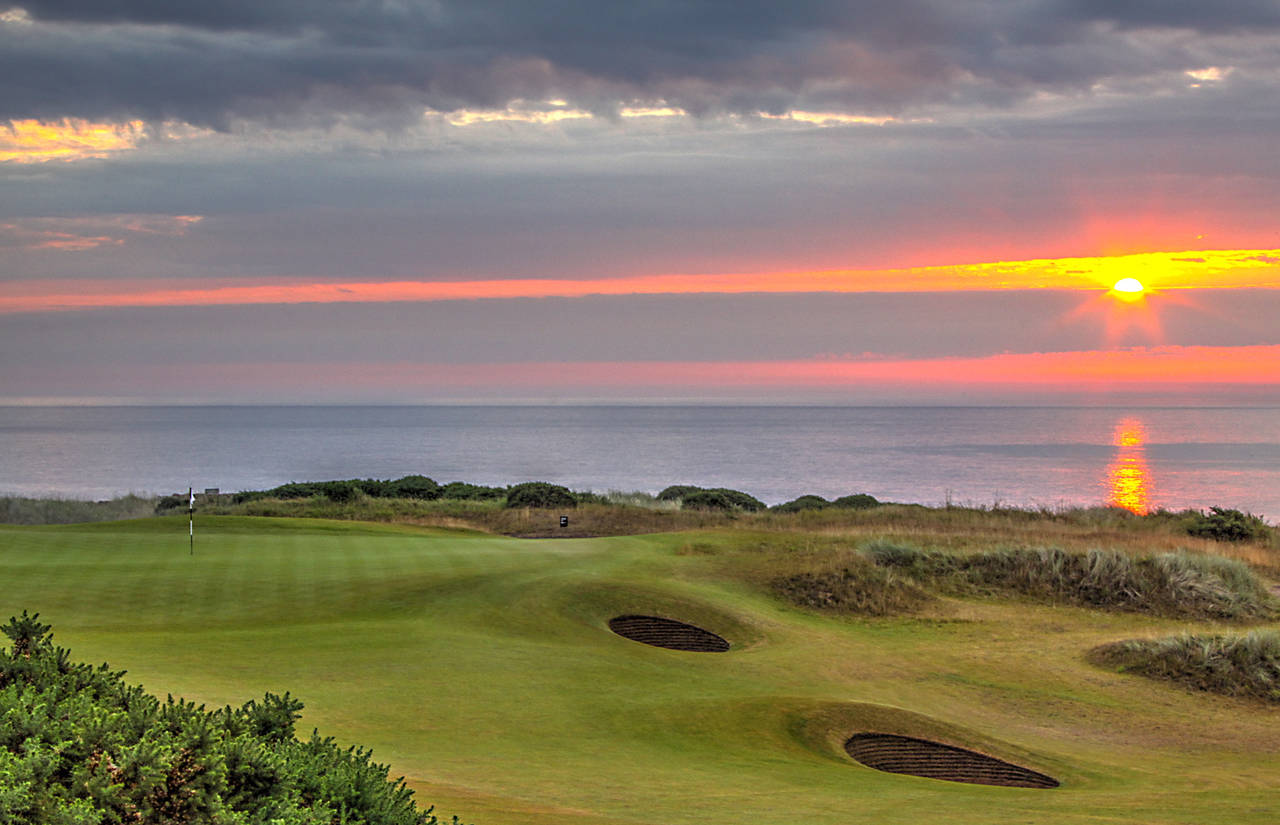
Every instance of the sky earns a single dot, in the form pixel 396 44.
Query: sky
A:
pixel 571 201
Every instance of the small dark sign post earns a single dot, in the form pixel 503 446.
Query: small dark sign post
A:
pixel 564 521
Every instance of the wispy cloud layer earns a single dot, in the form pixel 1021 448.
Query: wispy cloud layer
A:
pixel 310 165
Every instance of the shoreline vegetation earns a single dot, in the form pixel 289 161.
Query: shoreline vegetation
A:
pixel 524 510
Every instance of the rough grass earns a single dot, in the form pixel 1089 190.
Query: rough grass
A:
pixel 856 588
pixel 952 528
pixel 1169 584
pixel 1234 665
pixel 18 510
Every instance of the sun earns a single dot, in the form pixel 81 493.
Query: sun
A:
pixel 1128 289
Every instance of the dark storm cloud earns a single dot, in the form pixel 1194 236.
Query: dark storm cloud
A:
pixel 214 62
pixel 1226 16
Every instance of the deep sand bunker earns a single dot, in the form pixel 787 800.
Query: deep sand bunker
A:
pixel 668 633
pixel 920 757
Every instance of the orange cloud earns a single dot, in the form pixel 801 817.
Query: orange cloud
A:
pixel 81 233
pixel 1161 271
pixel 33 141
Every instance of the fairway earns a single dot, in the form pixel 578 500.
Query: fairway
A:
pixel 484 670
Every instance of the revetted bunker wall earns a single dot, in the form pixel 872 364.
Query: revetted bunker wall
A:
pixel 668 633
pixel 920 757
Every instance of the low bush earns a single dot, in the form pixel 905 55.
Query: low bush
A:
pixel 540 494
pixel 1221 524
pixel 1246 665
pixel 741 500
pixel 736 499
pixel 79 745
pixel 803 503
pixel 414 486
pixel 707 500
pixel 462 491
pixel 677 491
pixel 340 492
pixel 857 501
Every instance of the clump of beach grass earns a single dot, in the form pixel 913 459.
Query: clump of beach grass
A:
pixel 854 586
pixel 1177 584
pixel 1245 665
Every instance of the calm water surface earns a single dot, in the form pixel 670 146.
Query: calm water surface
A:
pixel 1140 458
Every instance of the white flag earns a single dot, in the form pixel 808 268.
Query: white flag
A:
pixel 192 504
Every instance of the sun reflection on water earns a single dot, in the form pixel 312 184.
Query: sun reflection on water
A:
pixel 1128 478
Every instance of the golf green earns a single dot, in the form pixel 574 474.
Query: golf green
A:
pixel 483 669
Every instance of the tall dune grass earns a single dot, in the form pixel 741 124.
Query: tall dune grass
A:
pixel 19 510
pixel 1234 665
pixel 1169 584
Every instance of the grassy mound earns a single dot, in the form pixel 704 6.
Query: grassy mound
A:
pixel 1247 665
pixel 858 588
pixel 1181 584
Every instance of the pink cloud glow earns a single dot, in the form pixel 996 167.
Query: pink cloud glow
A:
pixel 1169 270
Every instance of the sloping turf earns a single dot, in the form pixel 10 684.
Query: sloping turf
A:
pixel 483 670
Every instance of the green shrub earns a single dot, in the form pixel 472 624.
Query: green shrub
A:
pixel 295 489
pixel 415 486
pixel 461 491
pixel 803 503
pixel 340 492
pixel 736 498
pixel 1221 524
pixel 78 745
pixel 857 501
pixel 677 491
pixel 739 499
pixel 707 500
pixel 540 494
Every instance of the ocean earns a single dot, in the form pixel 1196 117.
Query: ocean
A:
pixel 1142 458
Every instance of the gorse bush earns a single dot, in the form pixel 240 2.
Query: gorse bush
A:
pixel 1222 524
pixel 1247 665
pixel 462 491
pixel 857 501
pixel 707 500
pixel 677 491
pixel 803 503
pixel 79 745
pixel 415 486
pixel 713 498
pixel 540 494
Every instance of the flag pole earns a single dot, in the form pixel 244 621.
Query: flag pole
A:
pixel 191 518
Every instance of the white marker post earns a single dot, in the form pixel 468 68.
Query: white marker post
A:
pixel 191 518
